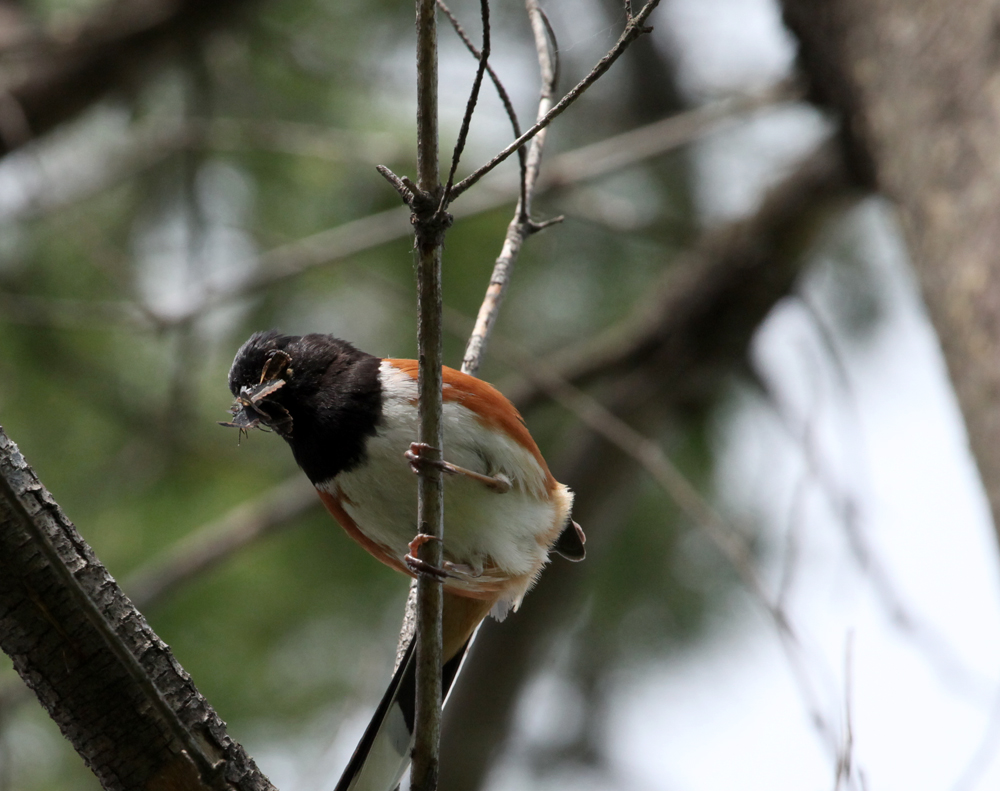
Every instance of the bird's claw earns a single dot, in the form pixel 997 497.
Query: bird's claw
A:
pixel 419 462
pixel 418 566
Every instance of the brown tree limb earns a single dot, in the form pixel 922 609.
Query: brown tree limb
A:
pixel 111 685
pixel 112 51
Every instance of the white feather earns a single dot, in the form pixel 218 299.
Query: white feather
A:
pixel 482 526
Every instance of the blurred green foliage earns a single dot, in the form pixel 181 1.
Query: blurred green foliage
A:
pixel 119 418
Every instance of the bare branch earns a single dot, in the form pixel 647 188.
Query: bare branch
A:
pixel 633 29
pixel 508 106
pixel 548 66
pixel 470 106
pixel 118 44
pixel 405 193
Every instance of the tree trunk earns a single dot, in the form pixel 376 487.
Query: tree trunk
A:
pixel 918 86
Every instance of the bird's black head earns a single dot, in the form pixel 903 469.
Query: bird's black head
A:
pixel 318 392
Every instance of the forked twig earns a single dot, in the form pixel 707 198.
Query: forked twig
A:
pixel 633 29
pixel 470 106
pixel 548 65
pixel 508 105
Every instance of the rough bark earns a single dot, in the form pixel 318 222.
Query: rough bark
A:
pixel 918 86
pixel 112 686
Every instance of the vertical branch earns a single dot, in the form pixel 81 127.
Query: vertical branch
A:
pixel 521 225
pixel 429 224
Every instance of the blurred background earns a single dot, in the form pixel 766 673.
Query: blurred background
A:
pixel 176 176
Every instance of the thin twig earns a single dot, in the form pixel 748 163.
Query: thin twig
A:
pixel 548 66
pixel 470 106
pixel 508 105
pixel 845 763
pixel 633 29
pixel 520 226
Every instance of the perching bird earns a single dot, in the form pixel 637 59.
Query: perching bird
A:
pixel 351 421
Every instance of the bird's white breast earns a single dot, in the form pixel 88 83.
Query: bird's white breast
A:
pixel 482 526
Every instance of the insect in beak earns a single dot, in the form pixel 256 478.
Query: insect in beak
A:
pixel 253 408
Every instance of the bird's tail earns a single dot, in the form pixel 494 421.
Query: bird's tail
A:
pixel 383 754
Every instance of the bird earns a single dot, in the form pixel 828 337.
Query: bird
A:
pixel 351 421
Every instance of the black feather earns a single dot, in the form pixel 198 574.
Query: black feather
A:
pixel 331 401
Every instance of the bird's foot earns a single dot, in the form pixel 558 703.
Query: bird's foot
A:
pixel 418 566
pixel 419 461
